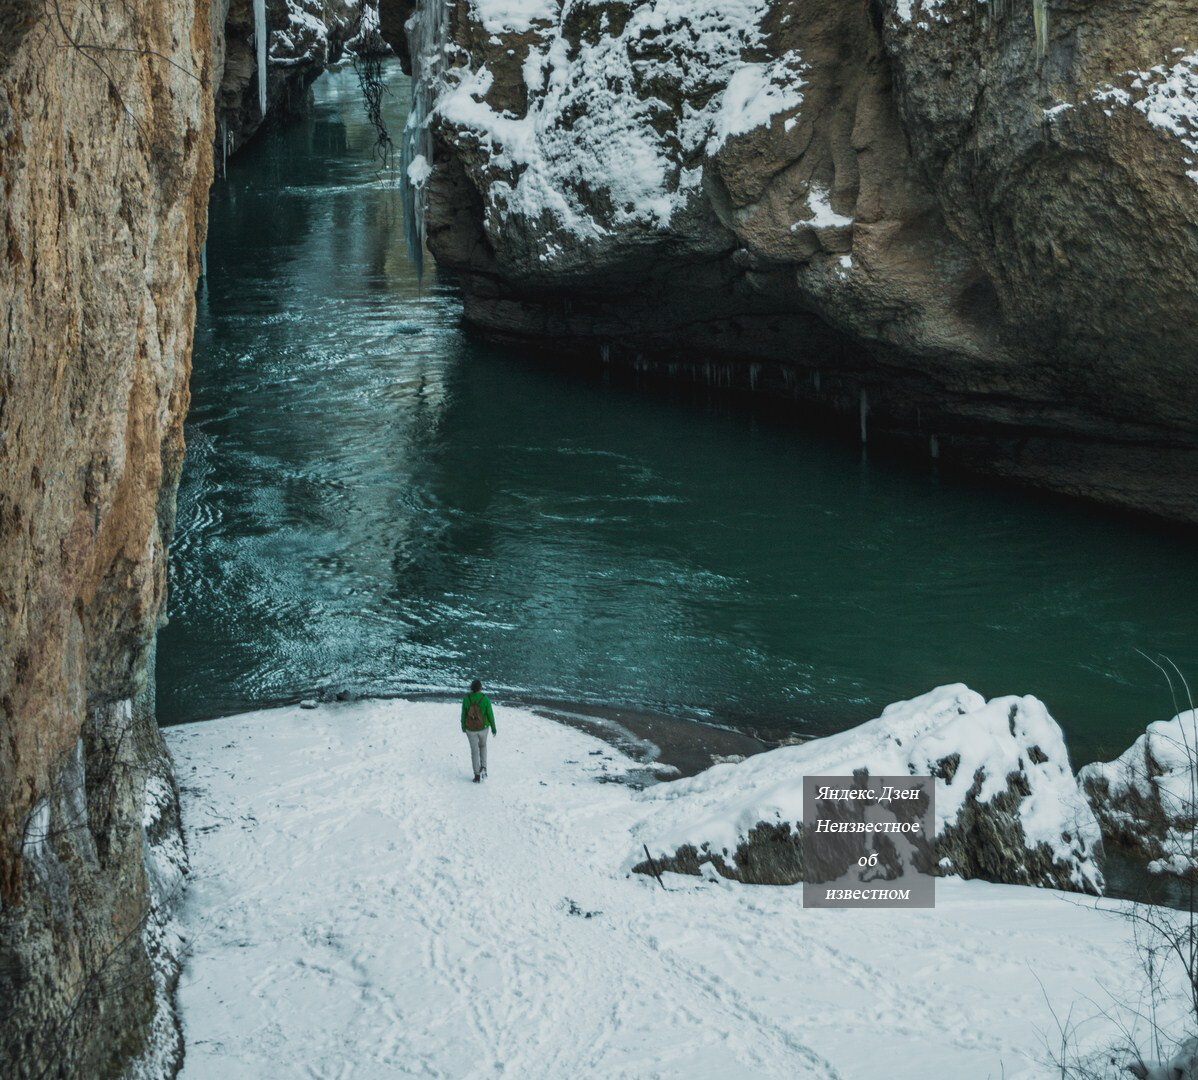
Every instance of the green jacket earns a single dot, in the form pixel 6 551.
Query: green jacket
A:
pixel 484 703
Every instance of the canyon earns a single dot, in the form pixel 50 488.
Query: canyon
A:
pixel 968 231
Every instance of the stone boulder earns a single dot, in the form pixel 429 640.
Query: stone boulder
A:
pixel 1008 807
pixel 1146 800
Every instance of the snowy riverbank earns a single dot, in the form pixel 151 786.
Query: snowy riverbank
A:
pixel 358 908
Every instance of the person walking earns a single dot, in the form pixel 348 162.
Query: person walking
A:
pixel 477 717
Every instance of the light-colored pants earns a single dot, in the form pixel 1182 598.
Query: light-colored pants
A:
pixel 478 749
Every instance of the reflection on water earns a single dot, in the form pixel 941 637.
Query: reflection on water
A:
pixel 375 502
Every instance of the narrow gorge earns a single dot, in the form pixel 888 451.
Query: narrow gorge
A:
pixel 959 232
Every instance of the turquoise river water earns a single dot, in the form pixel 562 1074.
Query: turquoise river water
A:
pixel 374 502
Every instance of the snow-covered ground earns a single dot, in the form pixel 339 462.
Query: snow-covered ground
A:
pixel 358 908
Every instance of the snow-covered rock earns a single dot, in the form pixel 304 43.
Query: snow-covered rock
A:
pixel 1146 799
pixel 600 129
pixel 1008 807
pixel 932 202
pixel 1183 1065
pixel 368 41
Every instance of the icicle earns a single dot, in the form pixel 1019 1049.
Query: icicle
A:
pixel 260 43
pixel 934 448
pixel 1040 19
pixel 204 260
pixel 864 415
pixel 428 35
pixel 224 148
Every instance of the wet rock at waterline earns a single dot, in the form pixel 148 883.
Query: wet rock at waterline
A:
pixel 1008 807
pixel 952 225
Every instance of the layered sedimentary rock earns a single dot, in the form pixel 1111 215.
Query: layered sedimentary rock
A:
pixel 1008 807
pixel 302 38
pixel 105 162
pixel 969 227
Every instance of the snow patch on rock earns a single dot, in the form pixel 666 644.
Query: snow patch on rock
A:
pixel 597 148
pixel 1147 798
pixel 419 171
pixel 822 215
pixel 1167 95
pixel 905 9
pixel 512 16
pixel 1171 101
pixel 755 94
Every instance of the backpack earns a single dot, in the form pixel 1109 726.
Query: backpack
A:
pixel 474 716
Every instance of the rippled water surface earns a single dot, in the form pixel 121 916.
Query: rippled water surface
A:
pixel 375 502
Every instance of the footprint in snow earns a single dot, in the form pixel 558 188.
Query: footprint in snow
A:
pixel 574 909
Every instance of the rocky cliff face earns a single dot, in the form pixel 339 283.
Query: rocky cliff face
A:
pixel 105 135
pixel 303 37
pixel 971 228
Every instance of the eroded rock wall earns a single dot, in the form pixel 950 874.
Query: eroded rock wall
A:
pixel 105 162
pixel 968 227
pixel 303 38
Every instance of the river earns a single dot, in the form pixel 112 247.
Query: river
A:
pixel 375 502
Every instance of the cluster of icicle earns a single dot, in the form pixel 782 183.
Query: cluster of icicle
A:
pixel 428 35
pixel 260 46
pixel 1040 21
pixel 1004 9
